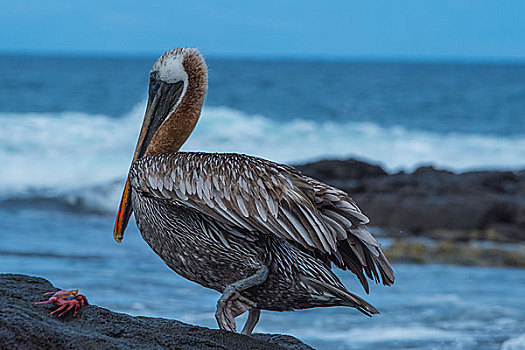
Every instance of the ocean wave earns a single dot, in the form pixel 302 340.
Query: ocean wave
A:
pixel 381 334
pixel 98 199
pixel 82 159
pixel 514 343
pixel 431 299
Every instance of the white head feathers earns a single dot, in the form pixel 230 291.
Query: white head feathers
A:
pixel 170 66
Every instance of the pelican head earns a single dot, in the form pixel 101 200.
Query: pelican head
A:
pixel 177 87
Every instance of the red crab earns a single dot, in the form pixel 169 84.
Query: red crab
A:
pixel 67 299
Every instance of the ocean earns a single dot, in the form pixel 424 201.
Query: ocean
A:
pixel 68 130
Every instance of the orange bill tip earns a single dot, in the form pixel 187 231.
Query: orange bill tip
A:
pixel 124 212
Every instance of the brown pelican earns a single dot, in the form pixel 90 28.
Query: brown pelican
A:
pixel 260 233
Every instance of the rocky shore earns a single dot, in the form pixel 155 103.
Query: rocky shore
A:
pixel 24 325
pixel 453 211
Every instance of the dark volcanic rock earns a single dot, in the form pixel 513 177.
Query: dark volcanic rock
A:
pixel 24 325
pixel 341 170
pixel 486 204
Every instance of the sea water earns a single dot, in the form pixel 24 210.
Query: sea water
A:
pixel 68 129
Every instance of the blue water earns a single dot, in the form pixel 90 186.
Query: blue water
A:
pixel 429 307
pixel 69 126
pixel 443 98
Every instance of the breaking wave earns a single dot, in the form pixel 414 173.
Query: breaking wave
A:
pixel 384 334
pixel 80 159
pixel 514 343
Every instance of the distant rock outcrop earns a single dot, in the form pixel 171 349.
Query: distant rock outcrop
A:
pixel 455 253
pixel 24 325
pixel 480 205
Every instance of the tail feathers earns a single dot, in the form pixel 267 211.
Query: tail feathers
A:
pixel 345 297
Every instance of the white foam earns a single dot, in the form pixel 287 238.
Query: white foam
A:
pixel 60 152
pixel 226 130
pixel 380 334
pixel 517 343
pixel 432 299
pixel 64 150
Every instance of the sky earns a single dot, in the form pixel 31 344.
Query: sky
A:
pixel 408 29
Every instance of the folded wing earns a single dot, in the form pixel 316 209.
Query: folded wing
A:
pixel 258 195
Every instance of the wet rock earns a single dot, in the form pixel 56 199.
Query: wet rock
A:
pixel 24 325
pixel 339 172
pixel 456 253
pixel 472 205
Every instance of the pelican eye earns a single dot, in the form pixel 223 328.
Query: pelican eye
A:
pixel 153 84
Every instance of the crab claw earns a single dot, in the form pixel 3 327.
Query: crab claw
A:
pixel 82 299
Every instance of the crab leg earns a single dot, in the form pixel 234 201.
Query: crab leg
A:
pixel 62 307
pixel 71 305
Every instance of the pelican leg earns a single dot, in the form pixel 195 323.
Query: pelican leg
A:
pixel 232 304
pixel 253 318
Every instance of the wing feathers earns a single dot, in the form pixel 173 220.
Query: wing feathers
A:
pixel 255 194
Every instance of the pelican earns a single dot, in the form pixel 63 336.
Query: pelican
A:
pixel 261 233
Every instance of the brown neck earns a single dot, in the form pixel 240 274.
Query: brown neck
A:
pixel 176 129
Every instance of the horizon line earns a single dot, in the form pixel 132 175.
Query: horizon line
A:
pixel 279 57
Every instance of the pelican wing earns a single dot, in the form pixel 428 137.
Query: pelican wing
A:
pixel 258 195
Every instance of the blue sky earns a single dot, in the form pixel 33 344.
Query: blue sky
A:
pixel 450 29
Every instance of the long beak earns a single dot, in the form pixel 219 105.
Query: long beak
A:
pixel 162 98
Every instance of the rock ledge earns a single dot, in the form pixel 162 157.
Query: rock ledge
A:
pixel 24 325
